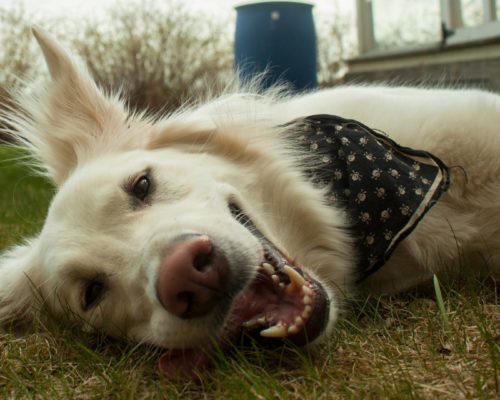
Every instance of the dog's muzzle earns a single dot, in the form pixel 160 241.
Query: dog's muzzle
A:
pixel 280 304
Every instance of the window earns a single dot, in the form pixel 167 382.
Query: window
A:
pixel 399 23
pixel 393 24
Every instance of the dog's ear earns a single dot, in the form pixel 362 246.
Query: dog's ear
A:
pixel 69 119
pixel 17 274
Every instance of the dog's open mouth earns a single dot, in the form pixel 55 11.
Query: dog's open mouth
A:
pixel 282 303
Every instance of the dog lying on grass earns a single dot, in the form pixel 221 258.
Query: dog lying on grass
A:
pixel 250 214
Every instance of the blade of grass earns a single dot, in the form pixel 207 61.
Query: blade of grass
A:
pixel 439 299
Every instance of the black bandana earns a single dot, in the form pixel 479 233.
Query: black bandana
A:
pixel 385 189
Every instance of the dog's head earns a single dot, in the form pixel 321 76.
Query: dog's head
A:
pixel 179 232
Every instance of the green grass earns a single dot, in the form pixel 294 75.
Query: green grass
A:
pixel 390 347
pixel 24 197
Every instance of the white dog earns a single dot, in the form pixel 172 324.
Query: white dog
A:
pixel 218 220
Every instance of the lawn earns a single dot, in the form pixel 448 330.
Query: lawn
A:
pixel 414 345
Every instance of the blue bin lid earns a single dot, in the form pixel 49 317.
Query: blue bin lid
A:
pixel 251 3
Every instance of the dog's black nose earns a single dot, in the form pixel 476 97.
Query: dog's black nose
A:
pixel 192 277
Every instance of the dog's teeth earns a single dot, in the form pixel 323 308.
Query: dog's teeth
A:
pixel 275 278
pixel 306 300
pixel 254 322
pixel 268 268
pixel 307 312
pixel 282 285
pixel 250 324
pixel 299 321
pixel 307 290
pixel 276 331
pixel 296 279
pixel 293 329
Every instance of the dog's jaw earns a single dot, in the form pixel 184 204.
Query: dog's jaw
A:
pixel 281 303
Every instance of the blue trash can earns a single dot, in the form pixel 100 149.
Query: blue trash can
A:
pixel 277 37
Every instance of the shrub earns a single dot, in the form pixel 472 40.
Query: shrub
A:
pixel 158 53
pixel 17 53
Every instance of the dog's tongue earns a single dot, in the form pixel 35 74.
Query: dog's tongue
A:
pixel 182 364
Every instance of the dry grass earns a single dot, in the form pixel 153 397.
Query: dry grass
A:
pixel 391 347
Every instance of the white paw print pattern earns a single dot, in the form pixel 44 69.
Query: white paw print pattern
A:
pixel 376 173
pixel 388 156
pixel 388 234
pixel 363 141
pixel 314 146
pixel 405 210
pixel 370 239
pixel 356 176
pixel 351 158
pixel 385 214
pixel 361 196
pixel 365 217
pixel 380 192
pixel 369 156
pixel 401 190
pixel 344 141
pixel 338 174
pixel 394 173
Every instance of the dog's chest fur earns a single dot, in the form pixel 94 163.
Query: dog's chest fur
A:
pixel 385 189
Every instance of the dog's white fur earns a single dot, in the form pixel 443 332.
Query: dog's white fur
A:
pixel 203 156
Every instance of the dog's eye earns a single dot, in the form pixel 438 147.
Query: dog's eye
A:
pixel 142 187
pixel 234 209
pixel 93 293
pixel 238 213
